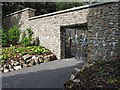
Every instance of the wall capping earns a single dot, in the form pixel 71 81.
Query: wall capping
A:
pixel 18 12
pixel 69 10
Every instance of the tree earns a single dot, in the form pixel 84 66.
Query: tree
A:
pixel 66 5
pixel 41 7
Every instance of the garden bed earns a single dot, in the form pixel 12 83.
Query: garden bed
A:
pixel 18 57
pixel 103 75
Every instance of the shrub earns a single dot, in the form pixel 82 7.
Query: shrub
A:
pixel 3 38
pixel 27 37
pixel 26 41
pixel 13 34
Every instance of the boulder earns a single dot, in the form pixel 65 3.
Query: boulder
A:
pixel 16 63
pixel 1 69
pixel 28 61
pixel 72 77
pixel 24 65
pixel 41 59
pixel 26 57
pixel 36 59
pixel 5 70
pixel 76 80
pixel 52 57
pixel 32 62
pixel 29 65
pixel 47 58
pixel 17 67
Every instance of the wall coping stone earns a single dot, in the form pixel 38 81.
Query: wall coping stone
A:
pixel 18 12
pixel 71 9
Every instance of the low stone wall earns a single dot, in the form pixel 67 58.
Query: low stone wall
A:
pixel 103 28
pixel 27 60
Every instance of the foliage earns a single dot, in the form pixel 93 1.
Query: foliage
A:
pixel 27 37
pixel 13 35
pixel 3 38
pixel 13 52
pixel 112 80
pixel 66 5
pixel 41 7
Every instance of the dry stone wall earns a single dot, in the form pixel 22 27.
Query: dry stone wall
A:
pixel 103 28
pixel 104 32
pixel 19 18
pixel 47 29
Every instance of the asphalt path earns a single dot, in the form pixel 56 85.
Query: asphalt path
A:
pixel 46 75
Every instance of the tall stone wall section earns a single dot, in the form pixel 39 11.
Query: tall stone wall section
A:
pixel 103 28
pixel 104 32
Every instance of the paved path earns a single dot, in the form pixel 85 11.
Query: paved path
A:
pixel 46 75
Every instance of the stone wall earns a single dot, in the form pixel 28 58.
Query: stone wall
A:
pixel 47 29
pixel 19 18
pixel 103 28
pixel 104 32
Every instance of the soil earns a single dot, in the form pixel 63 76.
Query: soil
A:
pixel 103 75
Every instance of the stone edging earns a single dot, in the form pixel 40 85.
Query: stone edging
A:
pixel 26 61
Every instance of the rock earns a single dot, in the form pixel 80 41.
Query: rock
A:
pixel 24 65
pixel 17 67
pixel 82 69
pixel 76 80
pixel 32 62
pixel 72 77
pixel 6 70
pixel 16 63
pixel 12 62
pixel 69 85
pixel 77 70
pixel 87 65
pixel 40 56
pixel 11 68
pixel 36 59
pixel 52 57
pixel 21 61
pixel 41 59
pixel 26 57
pixel 1 69
pixel 28 61
pixel 29 65
pixel 47 59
